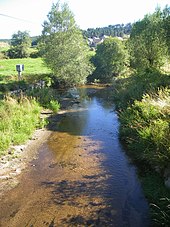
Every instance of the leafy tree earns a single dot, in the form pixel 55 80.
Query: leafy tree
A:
pixel 166 25
pixel 111 59
pixel 20 44
pixel 65 51
pixel 147 45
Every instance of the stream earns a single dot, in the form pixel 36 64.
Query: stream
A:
pixel 81 176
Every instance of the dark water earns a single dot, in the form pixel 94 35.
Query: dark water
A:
pixel 82 176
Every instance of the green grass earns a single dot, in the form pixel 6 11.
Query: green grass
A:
pixel 130 88
pixel 146 129
pixel 159 197
pixel 34 71
pixel 18 120
pixel 33 66
pixel 20 115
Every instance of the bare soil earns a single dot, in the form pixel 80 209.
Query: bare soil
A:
pixel 18 157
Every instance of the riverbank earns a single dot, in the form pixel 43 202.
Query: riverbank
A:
pixel 14 163
pixel 143 104
pixel 18 157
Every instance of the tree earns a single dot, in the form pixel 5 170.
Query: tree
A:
pixel 20 44
pixel 65 51
pixel 166 26
pixel 111 59
pixel 147 44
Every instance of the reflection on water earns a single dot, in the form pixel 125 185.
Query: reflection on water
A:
pixel 82 176
pixel 120 190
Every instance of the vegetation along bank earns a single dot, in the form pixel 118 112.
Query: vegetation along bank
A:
pixel 135 64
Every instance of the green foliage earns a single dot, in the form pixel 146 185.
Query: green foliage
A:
pixel 158 195
pixel 18 120
pixel 2 55
pixel 147 44
pixel 144 106
pixel 130 88
pixel 20 44
pixel 34 53
pixel 146 129
pixel 46 97
pixel 54 106
pixel 143 100
pixel 166 25
pixel 161 214
pixel 111 59
pixel 64 48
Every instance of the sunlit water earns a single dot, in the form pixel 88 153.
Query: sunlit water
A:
pixel 82 176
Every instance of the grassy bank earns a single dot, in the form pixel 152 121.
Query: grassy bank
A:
pixel 20 112
pixel 18 121
pixel 143 101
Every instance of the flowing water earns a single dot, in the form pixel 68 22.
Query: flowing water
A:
pixel 82 177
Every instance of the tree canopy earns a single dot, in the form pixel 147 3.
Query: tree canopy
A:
pixel 111 59
pixel 147 45
pixel 64 49
pixel 166 25
pixel 20 44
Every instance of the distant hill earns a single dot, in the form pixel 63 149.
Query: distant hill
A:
pixel 119 30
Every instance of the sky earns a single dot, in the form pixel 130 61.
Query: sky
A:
pixel 88 13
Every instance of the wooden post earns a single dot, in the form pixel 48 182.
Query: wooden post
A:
pixel 19 75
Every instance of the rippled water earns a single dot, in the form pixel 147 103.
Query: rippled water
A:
pixel 82 176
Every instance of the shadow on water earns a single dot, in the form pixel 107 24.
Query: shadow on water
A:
pixel 74 193
pixel 112 197
pixel 82 176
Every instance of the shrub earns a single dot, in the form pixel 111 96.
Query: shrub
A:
pixel 130 88
pixel 47 98
pixel 146 129
pixel 54 106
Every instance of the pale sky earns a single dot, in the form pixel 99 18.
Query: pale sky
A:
pixel 88 13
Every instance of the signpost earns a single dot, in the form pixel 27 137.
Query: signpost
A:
pixel 20 68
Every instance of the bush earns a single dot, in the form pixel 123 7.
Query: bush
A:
pixel 54 106
pixel 47 98
pixel 128 89
pixel 146 129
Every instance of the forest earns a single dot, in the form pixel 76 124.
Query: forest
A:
pixel 119 30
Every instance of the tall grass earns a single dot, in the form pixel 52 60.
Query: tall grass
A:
pixel 18 120
pixel 46 97
pixel 130 88
pixel 146 129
